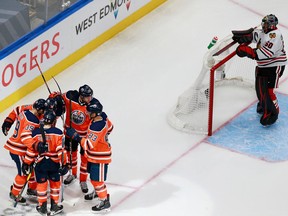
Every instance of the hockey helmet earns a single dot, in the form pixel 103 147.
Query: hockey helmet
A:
pixel 95 107
pixel 39 104
pixel 49 117
pixel 269 22
pixel 85 91
pixel 51 104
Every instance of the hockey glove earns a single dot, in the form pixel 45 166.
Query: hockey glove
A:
pixel 243 50
pixel 71 133
pixel 63 170
pixel 41 147
pixel 6 125
pixel 244 36
pixel 26 169
pixel 60 105
pixel 54 94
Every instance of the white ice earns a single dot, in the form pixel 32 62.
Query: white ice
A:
pixel 156 170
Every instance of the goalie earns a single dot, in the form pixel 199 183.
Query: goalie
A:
pixel 271 60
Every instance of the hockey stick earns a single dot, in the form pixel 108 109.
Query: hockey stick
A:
pixel 57 84
pixel 22 190
pixel 63 146
pixel 70 139
pixel 43 76
pixel 61 177
pixel 42 133
pixel 62 117
pixel 29 175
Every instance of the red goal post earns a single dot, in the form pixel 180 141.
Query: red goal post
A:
pixel 193 112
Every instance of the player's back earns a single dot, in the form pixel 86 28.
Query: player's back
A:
pixel 54 138
pixel 22 135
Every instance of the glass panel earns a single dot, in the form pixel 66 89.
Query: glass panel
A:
pixel 40 11
pixel 20 17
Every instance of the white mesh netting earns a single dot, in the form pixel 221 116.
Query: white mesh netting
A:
pixel 191 111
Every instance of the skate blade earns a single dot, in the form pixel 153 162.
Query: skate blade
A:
pixel 104 211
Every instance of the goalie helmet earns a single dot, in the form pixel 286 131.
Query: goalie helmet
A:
pixel 269 23
pixel 49 117
pixel 95 107
pixel 85 91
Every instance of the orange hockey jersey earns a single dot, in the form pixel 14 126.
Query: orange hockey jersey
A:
pixel 22 136
pixel 17 110
pixel 96 145
pixel 79 117
pixel 54 139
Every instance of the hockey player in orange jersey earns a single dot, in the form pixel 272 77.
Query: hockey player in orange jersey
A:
pixel 50 103
pixel 18 143
pixel 76 117
pixel 98 152
pixel 10 119
pixel 50 158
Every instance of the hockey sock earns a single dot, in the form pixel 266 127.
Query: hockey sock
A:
pixel 83 169
pixel 42 192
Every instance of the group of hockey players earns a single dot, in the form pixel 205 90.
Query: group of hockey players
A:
pixel 44 153
pixel 271 60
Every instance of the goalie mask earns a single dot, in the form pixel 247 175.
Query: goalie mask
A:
pixel 269 23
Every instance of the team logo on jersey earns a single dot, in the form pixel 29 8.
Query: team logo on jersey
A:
pixel 272 35
pixel 78 117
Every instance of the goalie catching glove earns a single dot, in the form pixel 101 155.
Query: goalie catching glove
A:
pixel 243 51
pixel 243 36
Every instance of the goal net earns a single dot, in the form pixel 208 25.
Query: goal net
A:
pixel 193 112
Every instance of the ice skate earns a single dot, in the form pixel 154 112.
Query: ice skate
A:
pixel 19 199
pixel 55 208
pixel 90 196
pixel 70 178
pixel 103 206
pixel 84 187
pixel 42 209
pixel 31 192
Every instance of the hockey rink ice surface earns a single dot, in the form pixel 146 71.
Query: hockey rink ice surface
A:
pixel 245 135
pixel 157 170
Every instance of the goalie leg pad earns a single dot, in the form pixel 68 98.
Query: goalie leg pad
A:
pixel 267 98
